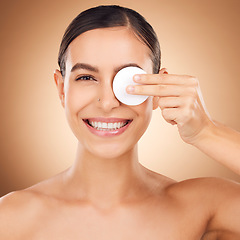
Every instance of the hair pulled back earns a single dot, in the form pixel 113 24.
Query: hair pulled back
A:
pixel 105 16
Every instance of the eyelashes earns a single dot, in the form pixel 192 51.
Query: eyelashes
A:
pixel 85 78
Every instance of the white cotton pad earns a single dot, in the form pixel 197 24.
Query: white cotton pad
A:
pixel 124 78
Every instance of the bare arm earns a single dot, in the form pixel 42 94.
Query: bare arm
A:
pixel 181 102
pixel 222 144
pixel 225 223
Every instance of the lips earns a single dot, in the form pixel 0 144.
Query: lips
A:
pixel 106 127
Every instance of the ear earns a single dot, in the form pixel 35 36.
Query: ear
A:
pixel 60 86
pixel 163 71
pixel 155 102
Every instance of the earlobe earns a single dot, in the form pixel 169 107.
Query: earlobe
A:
pixel 60 86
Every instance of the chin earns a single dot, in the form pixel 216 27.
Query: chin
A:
pixel 111 151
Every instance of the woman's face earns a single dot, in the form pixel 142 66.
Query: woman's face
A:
pixel 92 61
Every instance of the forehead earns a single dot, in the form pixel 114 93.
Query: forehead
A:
pixel 108 46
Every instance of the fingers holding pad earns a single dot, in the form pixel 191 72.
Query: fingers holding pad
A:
pixel 123 79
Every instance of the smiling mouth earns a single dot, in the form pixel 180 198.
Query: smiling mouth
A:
pixel 108 125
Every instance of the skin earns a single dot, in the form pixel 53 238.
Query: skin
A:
pixel 107 193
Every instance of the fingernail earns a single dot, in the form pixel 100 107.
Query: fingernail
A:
pixel 137 78
pixel 130 88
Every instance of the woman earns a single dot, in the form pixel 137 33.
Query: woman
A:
pixel 107 193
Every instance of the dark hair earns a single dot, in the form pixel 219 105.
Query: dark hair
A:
pixel 106 16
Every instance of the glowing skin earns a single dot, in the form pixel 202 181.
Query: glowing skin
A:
pixel 107 194
pixel 81 92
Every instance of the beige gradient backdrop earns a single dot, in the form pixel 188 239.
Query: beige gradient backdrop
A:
pixel 199 38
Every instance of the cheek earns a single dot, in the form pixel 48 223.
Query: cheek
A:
pixel 78 97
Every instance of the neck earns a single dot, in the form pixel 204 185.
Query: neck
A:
pixel 106 181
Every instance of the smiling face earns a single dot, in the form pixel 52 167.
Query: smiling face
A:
pixel 105 128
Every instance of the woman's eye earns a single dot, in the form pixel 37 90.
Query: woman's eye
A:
pixel 86 78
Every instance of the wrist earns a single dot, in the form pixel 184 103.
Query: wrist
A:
pixel 206 135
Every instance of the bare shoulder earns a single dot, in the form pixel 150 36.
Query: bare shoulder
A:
pixel 219 198
pixel 25 210
pixel 207 184
pixel 18 201
pixel 209 188
pixel 16 212
pixel 30 200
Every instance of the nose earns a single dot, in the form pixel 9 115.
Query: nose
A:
pixel 107 100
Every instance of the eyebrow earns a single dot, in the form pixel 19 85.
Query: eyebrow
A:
pixel 85 66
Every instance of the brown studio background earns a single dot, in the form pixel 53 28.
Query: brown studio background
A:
pixel 199 38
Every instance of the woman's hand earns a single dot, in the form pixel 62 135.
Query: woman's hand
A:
pixel 180 99
pixel 181 102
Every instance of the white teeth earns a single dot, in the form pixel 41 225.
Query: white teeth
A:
pixel 107 126
pixel 104 125
pixel 94 124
